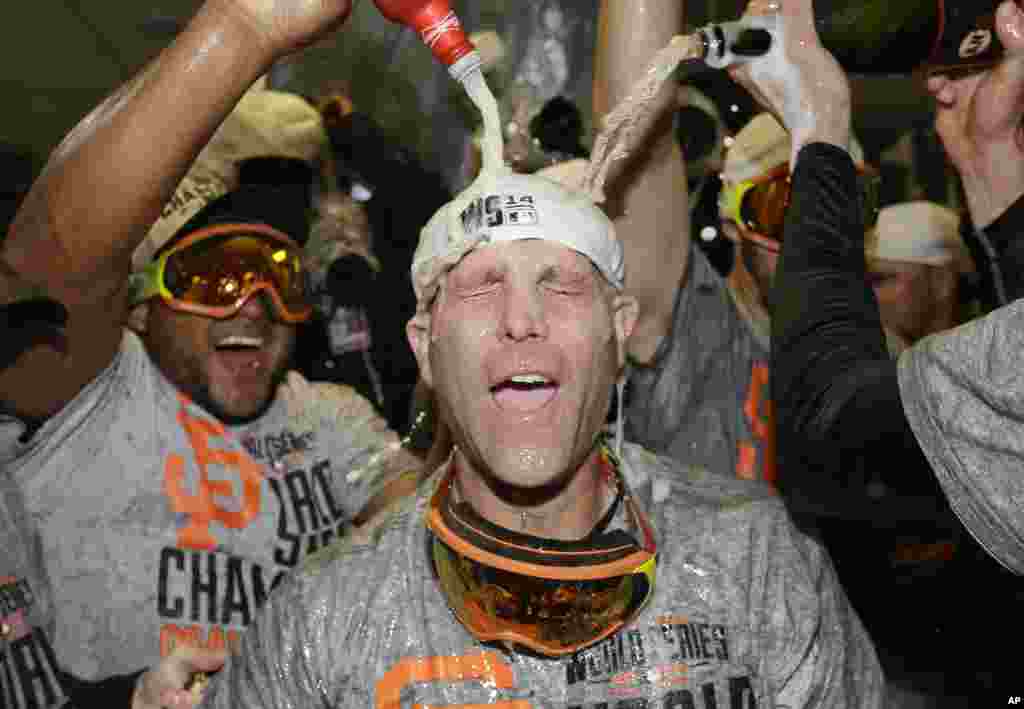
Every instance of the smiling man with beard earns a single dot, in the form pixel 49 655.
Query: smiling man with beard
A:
pixel 181 470
pixel 547 563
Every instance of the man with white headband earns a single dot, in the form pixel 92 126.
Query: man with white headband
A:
pixel 180 470
pixel 547 563
pixel 944 421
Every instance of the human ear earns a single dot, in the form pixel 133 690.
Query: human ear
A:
pixel 417 330
pixel 625 311
pixel 138 318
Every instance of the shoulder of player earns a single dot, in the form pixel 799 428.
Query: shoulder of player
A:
pixel 325 403
pixel 683 487
pixel 365 556
pixel 106 397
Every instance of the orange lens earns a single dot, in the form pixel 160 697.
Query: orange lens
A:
pixel 222 271
pixel 549 595
pixel 764 205
pixel 552 617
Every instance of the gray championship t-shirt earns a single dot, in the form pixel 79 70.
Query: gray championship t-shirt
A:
pixel 28 677
pixel 746 613
pixel 963 393
pixel 162 525
pixel 704 398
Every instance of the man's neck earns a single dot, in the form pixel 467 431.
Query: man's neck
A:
pixel 568 510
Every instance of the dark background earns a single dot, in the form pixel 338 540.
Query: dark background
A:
pixel 60 57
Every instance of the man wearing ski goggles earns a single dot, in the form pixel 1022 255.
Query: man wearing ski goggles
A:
pixel 548 562
pixel 752 207
pixel 221 300
pixel 913 281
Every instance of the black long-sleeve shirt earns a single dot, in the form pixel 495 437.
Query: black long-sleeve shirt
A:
pixel 839 413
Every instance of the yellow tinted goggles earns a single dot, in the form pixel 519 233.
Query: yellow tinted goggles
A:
pixel 214 271
pixel 551 596
pixel 759 205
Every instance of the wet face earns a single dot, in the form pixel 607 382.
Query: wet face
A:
pixel 523 346
pixel 230 367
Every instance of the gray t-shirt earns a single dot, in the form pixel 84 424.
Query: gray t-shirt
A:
pixel 963 393
pixel 705 399
pixel 746 613
pixel 162 525
pixel 28 678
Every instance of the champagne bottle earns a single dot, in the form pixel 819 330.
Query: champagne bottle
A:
pixel 880 36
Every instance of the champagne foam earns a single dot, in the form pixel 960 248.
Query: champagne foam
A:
pixel 492 148
pixel 619 126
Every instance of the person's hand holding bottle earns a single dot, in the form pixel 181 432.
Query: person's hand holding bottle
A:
pixel 798 80
pixel 979 119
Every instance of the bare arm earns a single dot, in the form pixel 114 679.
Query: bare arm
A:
pixel 647 194
pixel 979 118
pixel 108 180
pixel 98 194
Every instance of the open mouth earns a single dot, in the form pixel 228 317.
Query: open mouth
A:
pixel 524 392
pixel 240 353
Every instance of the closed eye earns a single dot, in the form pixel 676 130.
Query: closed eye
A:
pixel 480 289
pixel 562 289
pixel 558 281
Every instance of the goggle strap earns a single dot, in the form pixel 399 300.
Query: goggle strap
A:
pixel 232 229
pixel 466 533
pixel 625 566
pixel 145 283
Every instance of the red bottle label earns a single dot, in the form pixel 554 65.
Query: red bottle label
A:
pixel 436 23
pixel 445 36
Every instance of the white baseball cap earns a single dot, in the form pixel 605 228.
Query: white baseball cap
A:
pixel 510 207
pixel 919 232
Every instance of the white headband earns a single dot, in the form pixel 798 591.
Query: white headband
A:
pixel 511 207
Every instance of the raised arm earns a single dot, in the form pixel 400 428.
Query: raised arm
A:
pixel 107 182
pixel 647 193
pixel 979 119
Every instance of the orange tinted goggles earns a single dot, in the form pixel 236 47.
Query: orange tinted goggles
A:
pixel 759 205
pixel 551 596
pixel 214 271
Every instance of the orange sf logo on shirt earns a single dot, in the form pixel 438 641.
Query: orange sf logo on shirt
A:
pixel 201 506
pixel 486 667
